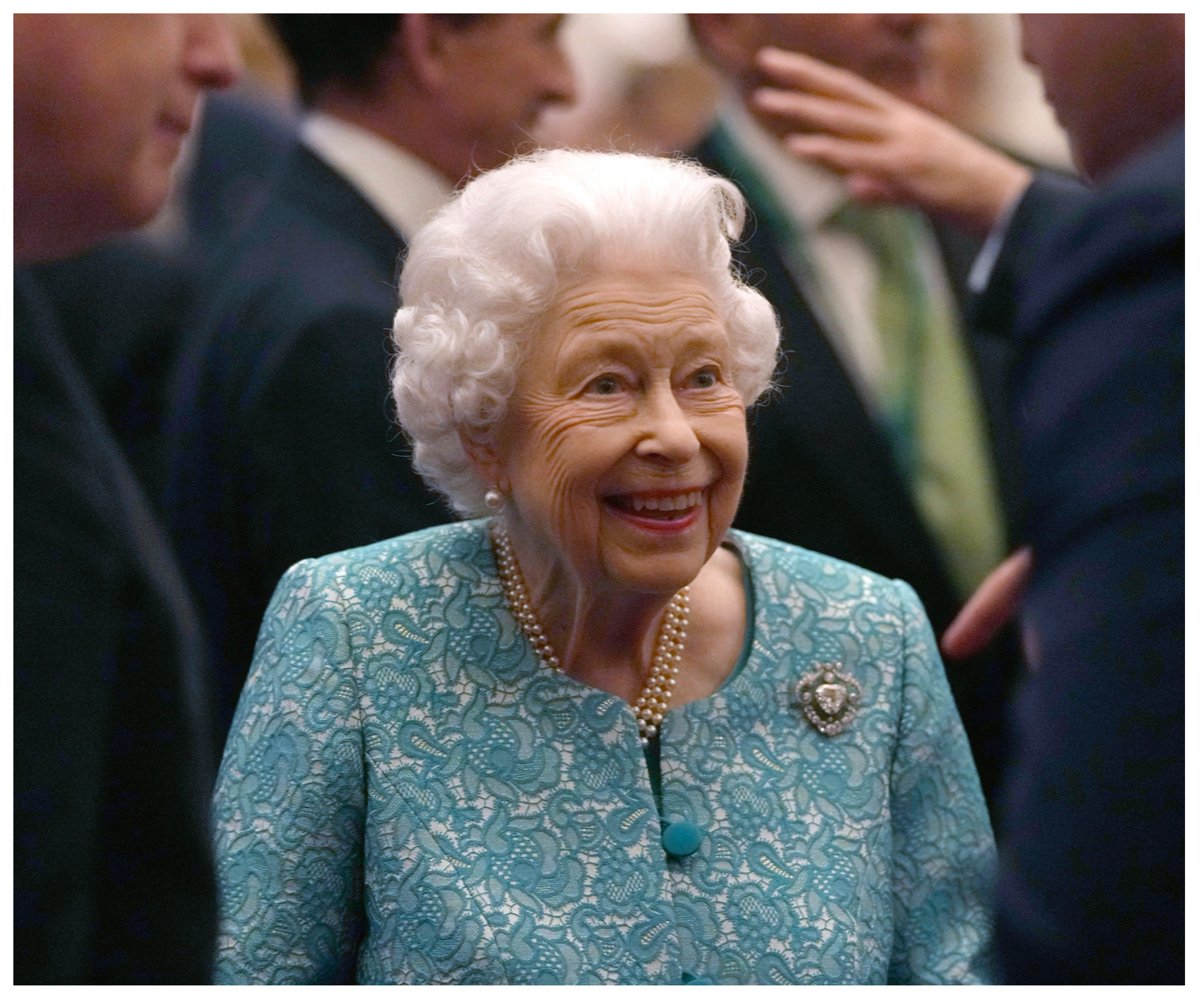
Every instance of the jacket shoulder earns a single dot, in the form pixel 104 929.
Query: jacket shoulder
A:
pixel 783 572
pixel 464 543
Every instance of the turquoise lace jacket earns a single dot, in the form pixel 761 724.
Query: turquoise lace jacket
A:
pixel 408 796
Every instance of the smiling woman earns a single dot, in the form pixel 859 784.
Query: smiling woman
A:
pixel 595 736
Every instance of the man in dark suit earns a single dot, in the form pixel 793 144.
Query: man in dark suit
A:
pixel 112 762
pixel 1092 878
pixel 893 456
pixel 124 302
pixel 284 443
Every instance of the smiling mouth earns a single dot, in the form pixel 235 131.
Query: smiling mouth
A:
pixel 658 507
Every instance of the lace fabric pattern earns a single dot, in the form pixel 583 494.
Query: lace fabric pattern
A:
pixel 407 796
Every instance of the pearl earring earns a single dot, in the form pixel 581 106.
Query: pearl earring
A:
pixel 493 500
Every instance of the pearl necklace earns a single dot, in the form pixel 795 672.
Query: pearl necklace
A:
pixel 655 698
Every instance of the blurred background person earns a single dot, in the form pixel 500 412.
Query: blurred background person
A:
pixel 641 85
pixel 1092 882
pixel 112 756
pixel 978 82
pixel 889 444
pixel 230 161
pixel 122 303
pixel 281 441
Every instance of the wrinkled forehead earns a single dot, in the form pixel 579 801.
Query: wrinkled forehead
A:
pixel 607 313
pixel 618 296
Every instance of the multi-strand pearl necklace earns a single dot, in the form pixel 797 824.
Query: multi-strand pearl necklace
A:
pixel 655 698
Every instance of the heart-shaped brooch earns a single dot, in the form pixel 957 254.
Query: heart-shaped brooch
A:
pixel 829 698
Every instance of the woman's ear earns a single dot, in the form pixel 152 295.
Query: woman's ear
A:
pixel 485 459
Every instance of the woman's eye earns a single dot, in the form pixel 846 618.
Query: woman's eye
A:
pixel 604 385
pixel 705 378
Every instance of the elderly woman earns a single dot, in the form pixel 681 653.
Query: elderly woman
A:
pixel 595 735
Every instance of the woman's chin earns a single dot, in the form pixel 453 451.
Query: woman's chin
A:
pixel 663 572
pixel 656 551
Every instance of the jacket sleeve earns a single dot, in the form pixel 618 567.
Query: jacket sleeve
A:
pixel 1014 246
pixel 943 849
pixel 289 805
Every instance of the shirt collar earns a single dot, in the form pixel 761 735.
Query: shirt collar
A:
pixel 400 186
pixel 808 194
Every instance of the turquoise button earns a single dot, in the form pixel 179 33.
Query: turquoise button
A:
pixel 681 838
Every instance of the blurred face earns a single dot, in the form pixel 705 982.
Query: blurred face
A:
pixel 890 50
pixel 506 70
pixel 101 105
pixel 1115 81
pixel 625 446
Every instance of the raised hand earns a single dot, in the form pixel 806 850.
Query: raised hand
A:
pixel 889 150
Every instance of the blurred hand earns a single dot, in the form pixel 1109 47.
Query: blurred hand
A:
pixel 994 603
pixel 888 149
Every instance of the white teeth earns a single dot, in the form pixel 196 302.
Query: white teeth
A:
pixel 680 502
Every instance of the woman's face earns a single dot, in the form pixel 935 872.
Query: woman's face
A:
pixel 624 448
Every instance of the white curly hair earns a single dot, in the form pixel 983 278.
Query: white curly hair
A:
pixel 480 275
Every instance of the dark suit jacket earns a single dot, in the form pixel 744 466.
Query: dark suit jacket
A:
pixel 822 474
pixel 122 306
pixel 1050 201
pixel 1091 886
pixel 283 442
pixel 112 754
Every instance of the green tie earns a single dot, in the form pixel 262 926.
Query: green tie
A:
pixel 928 398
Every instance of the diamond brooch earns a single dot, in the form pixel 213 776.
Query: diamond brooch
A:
pixel 829 698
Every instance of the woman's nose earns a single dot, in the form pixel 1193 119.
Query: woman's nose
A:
pixel 667 432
